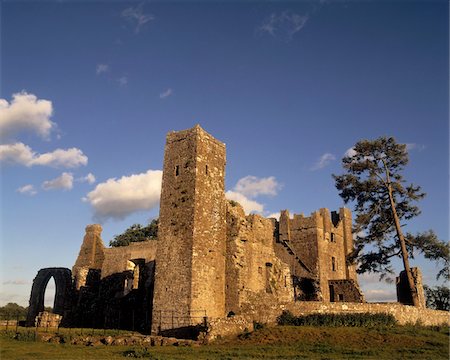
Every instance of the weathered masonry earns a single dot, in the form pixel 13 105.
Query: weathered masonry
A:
pixel 211 261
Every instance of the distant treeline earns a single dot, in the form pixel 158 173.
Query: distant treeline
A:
pixel 12 310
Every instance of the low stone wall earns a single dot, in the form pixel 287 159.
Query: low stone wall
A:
pixel 404 314
pixel 228 327
pixel 268 313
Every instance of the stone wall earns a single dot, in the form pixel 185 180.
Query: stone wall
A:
pixel 403 291
pixel 320 244
pixel 267 313
pixel 253 268
pixel 190 267
pixel 404 314
pixel 117 258
pixel 91 255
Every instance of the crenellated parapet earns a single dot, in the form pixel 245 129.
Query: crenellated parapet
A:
pixel 320 244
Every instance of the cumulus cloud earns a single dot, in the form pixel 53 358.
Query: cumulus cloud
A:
pixel 63 182
pixel 25 112
pixel 136 17
pixel 118 198
pixel 248 204
pixel 21 154
pixel 253 186
pixel 101 68
pixel 283 25
pixel 323 161
pixel 27 190
pixel 89 178
pixel 248 188
pixel 166 93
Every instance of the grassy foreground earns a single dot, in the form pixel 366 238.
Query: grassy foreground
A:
pixel 281 342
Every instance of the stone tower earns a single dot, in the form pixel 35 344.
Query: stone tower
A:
pixel 190 265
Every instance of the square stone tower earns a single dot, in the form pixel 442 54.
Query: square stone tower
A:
pixel 190 259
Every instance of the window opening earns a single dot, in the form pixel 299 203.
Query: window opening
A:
pixel 333 264
pixel 177 170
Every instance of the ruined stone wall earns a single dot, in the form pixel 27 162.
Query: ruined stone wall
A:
pixel 320 243
pixel 254 271
pixel 91 255
pixel 267 313
pixel 190 266
pixel 403 291
pixel 117 258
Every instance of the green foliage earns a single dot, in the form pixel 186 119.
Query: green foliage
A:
pixel 335 320
pixel 374 182
pixel 233 203
pixel 136 233
pixel 438 297
pixel 432 248
pixel 139 354
pixel 12 310
pixel 278 342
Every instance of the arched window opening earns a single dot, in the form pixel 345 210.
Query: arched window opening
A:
pixel 49 295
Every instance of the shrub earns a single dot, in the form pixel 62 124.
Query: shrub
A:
pixel 334 320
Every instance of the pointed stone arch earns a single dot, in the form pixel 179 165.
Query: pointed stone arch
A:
pixel 63 293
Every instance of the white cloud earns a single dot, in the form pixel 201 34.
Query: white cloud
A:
pixel 123 81
pixel 101 68
pixel 274 215
pixel 380 295
pixel 27 190
pixel 166 93
pixel 136 17
pixel 248 204
pixel 284 25
pixel 21 154
pixel 323 161
pixel 350 152
pixel 118 198
pixel 25 113
pixel 252 186
pixel 89 178
pixel 64 182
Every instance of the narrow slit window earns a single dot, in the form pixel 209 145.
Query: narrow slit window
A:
pixel 333 238
pixel 206 169
pixel 177 170
pixel 333 264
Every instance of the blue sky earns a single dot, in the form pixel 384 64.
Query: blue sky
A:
pixel 90 89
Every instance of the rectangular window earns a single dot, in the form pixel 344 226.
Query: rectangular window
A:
pixel 332 239
pixel 333 264
pixel 206 169
pixel 177 170
pixel 341 297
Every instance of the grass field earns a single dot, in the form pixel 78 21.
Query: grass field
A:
pixel 281 342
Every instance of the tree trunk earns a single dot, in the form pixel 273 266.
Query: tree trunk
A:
pixel 401 239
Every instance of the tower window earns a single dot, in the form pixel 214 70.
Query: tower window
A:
pixel 332 237
pixel 177 170
pixel 333 264
pixel 206 169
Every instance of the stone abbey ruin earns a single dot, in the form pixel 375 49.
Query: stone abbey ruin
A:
pixel 212 264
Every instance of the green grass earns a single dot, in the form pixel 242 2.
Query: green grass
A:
pixel 280 342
